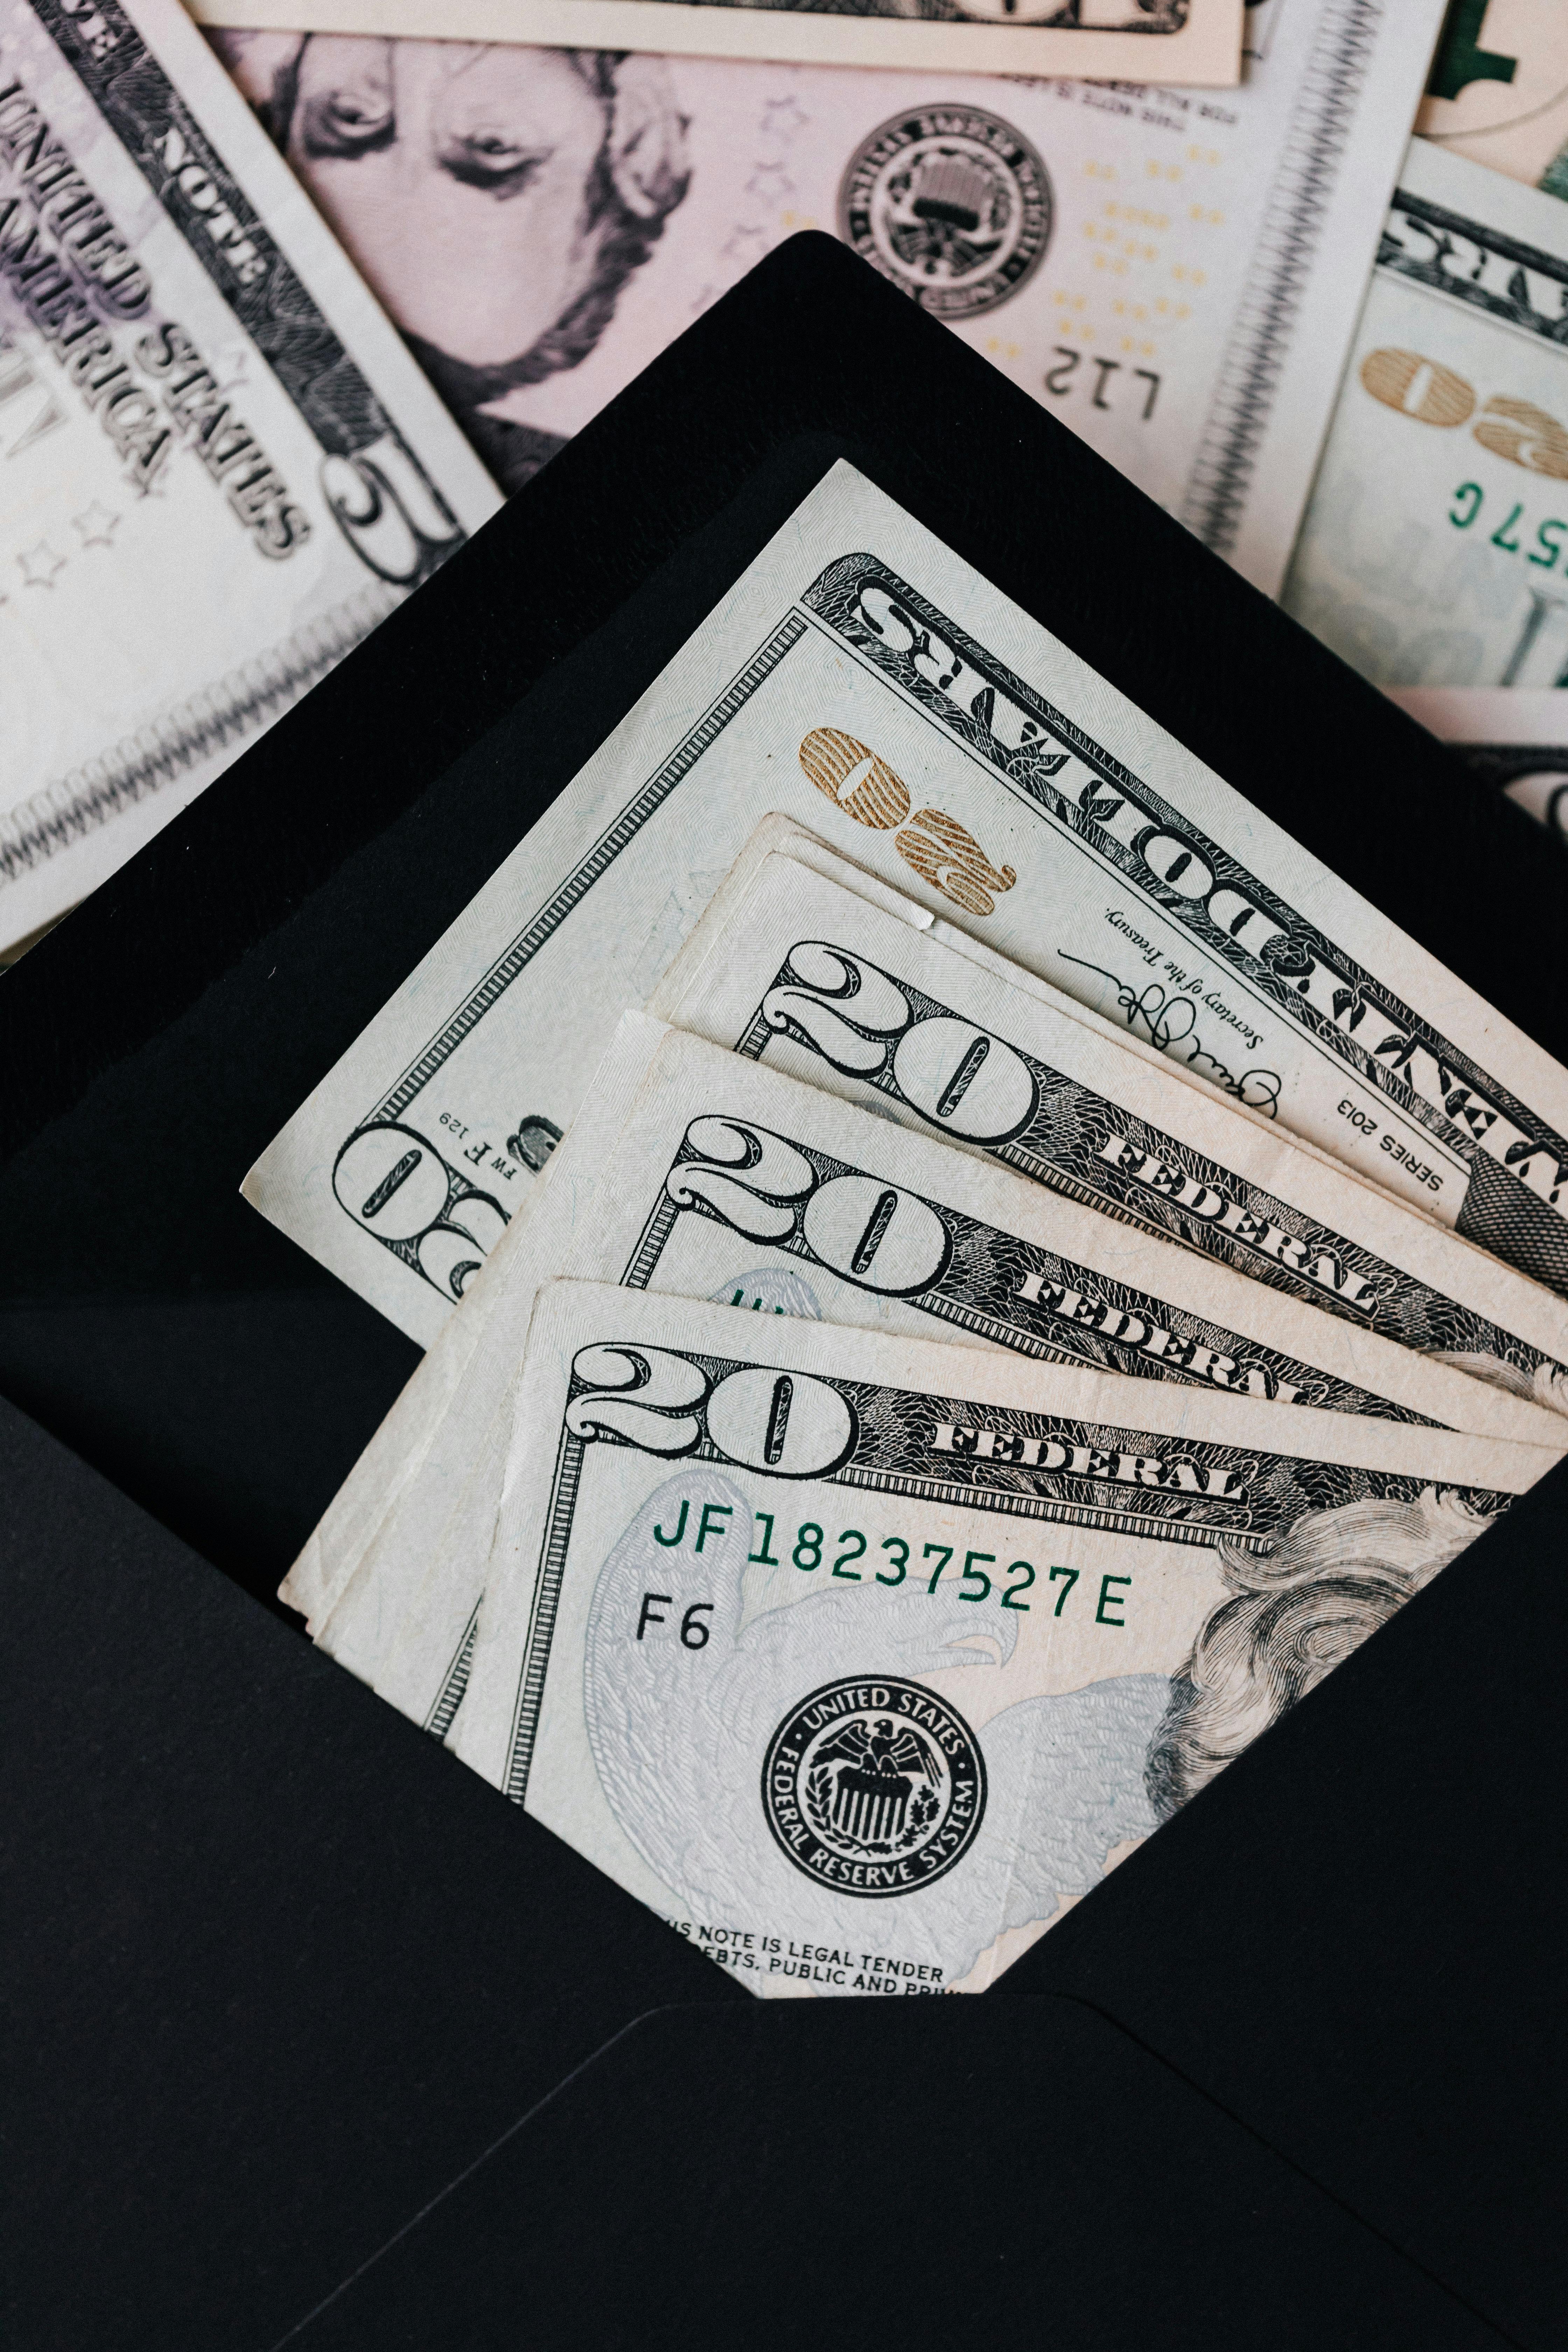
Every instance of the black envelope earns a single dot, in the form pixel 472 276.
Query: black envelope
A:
pixel 325 2042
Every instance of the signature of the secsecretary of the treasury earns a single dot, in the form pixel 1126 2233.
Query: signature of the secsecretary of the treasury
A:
pixel 1170 1022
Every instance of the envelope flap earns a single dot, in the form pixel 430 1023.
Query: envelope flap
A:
pixel 983 2173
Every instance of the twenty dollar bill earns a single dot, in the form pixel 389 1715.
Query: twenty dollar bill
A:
pixel 859 1658
pixel 993 775
pixel 1174 274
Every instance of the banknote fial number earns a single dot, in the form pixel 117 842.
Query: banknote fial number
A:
pixel 856 1557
